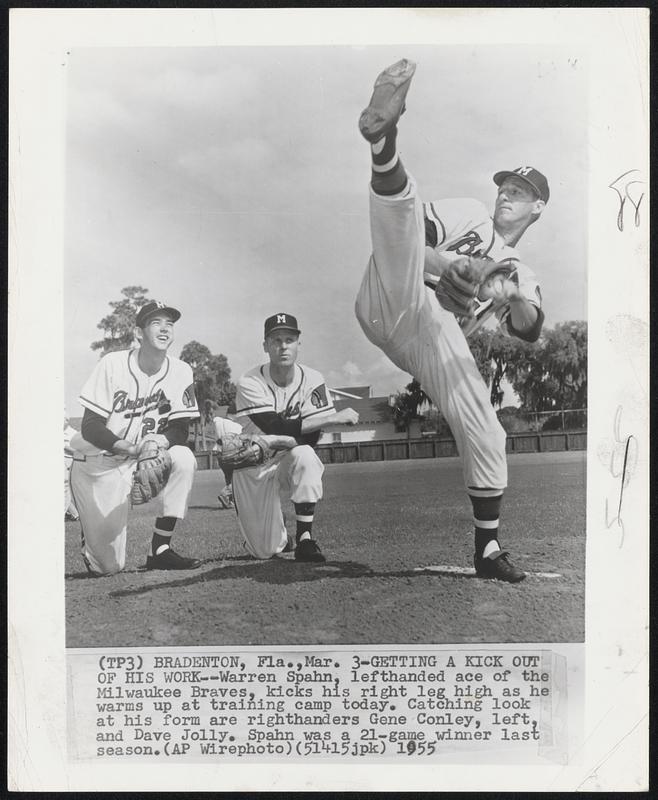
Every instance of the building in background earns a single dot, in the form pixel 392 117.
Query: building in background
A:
pixel 375 418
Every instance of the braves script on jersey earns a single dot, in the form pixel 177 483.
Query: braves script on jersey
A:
pixel 463 227
pixel 305 397
pixel 135 404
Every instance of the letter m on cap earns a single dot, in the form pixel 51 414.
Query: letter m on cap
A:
pixel 281 319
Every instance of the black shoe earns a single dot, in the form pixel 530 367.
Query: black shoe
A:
pixel 169 559
pixel 225 501
pixel 308 550
pixel 290 546
pixel 387 101
pixel 498 567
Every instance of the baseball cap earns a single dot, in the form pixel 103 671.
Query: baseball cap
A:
pixel 528 174
pixel 155 307
pixel 281 322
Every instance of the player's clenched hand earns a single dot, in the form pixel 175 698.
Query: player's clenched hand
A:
pixel 499 287
pixel 348 416
pixel 122 447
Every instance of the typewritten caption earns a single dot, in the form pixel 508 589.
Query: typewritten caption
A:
pixel 228 706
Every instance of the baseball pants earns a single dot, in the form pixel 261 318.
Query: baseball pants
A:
pixel 100 486
pixel 68 461
pixel 257 494
pixel 402 316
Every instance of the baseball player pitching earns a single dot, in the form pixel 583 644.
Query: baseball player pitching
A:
pixel 287 399
pixel 437 271
pixel 137 408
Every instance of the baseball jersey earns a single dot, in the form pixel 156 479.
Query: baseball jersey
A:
pixel 135 404
pixel 463 227
pixel 305 397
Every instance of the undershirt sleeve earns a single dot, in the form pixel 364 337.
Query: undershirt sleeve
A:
pixel 532 334
pixel 95 431
pixel 274 424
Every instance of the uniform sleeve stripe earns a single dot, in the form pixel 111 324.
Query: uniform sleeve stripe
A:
pixel 245 410
pixel 93 406
pixel 183 414
pixel 491 243
pixel 437 218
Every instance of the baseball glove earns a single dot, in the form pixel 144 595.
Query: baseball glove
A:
pixel 470 279
pixel 458 287
pixel 240 450
pixel 151 473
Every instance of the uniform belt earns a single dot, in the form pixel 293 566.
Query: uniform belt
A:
pixel 118 459
pixel 431 285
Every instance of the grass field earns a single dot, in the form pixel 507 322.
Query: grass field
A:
pixel 394 534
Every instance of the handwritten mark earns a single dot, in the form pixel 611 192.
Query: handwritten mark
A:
pixel 621 186
pixel 628 446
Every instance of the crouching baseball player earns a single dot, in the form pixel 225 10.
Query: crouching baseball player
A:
pixel 288 401
pixel 132 446
pixel 438 270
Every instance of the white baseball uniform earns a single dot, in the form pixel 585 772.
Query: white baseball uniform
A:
pixel 295 473
pixel 134 405
pixel 401 315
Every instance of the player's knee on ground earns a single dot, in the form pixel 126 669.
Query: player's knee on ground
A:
pixel 103 563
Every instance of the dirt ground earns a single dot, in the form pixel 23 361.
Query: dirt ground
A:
pixel 398 541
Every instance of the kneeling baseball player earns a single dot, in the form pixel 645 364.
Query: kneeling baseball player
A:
pixel 286 404
pixel 438 270
pixel 133 446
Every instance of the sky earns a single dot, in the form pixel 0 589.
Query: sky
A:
pixel 232 183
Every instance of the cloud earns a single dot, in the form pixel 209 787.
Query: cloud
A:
pixel 380 374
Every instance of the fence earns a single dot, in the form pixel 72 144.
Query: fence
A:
pixel 566 419
pixel 402 449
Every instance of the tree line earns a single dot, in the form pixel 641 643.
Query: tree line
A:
pixel 547 375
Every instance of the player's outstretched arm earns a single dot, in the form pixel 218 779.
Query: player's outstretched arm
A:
pixel 95 431
pixel 279 442
pixel 525 319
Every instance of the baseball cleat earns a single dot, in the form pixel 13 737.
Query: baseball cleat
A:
pixel 308 550
pixel 498 567
pixel 225 501
pixel 387 102
pixel 169 559
pixel 290 545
